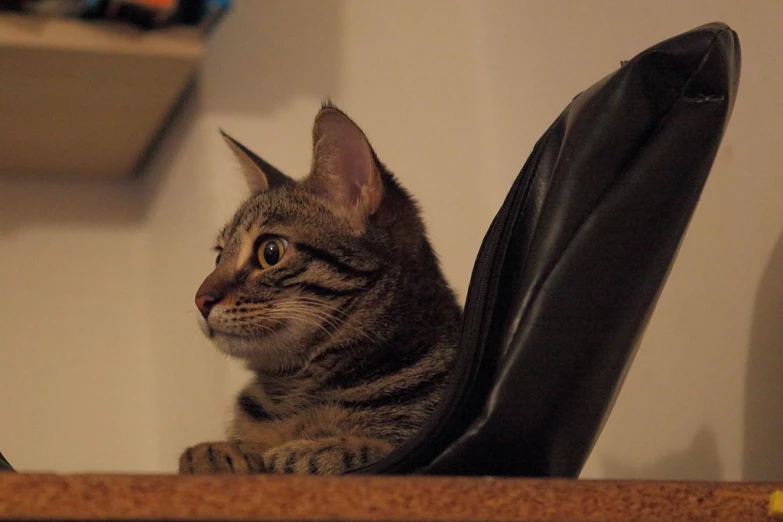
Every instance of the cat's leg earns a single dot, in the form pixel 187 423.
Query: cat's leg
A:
pixel 326 456
pixel 223 457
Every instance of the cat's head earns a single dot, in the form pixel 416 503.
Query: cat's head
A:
pixel 306 264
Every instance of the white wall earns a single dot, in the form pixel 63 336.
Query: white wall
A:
pixel 75 351
pixel 103 367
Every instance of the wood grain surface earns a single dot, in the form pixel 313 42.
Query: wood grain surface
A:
pixel 164 497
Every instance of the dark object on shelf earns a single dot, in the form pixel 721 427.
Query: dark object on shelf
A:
pixel 573 263
pixel 61 8
pixel 12 5
pixel 203 13
pixel 144 14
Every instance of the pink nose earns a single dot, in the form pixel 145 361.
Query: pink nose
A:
pixel 204 303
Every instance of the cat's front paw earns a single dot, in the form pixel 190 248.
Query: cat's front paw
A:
pixel 327 456
pixel 221 457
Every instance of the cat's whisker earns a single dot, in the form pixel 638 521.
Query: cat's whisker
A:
pixel 316 319
pixel 294 312
pixel 317 301
pixel 320 306
pixel 300 314
pixel 269 329
pixel 336 322
pixel 323 305
pixel 311 322
pixel 336 314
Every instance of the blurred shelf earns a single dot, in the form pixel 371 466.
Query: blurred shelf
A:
pixel 85 100
pixel 228 498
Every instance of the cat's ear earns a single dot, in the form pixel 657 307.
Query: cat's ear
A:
pixel 344 167
pixel 259 174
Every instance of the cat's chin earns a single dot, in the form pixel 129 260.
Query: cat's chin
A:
pixel 234 345
pixel 280 349
pixel 270 353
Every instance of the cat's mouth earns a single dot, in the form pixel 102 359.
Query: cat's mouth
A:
pixel 270 346
pixel 205 328
pixel 212 332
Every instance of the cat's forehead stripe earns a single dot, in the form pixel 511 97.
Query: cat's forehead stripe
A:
pixel 246 240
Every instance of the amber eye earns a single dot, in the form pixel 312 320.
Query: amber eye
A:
pixel 271 251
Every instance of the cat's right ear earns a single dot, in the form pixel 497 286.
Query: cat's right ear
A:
pixel 259 174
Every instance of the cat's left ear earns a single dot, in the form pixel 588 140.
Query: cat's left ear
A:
pixel 259 174
pixel 344 166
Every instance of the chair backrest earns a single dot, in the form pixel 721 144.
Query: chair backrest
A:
pixel 4 465
pixel 570 269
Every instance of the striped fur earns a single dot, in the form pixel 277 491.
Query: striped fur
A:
pixel 351 334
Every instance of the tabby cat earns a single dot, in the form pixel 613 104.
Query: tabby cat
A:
pixel 330 292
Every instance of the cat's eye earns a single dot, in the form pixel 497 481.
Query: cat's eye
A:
pixel 271 251
pixel 219 255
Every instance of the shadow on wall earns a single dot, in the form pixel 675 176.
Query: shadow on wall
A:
pixel 763 458
pixel 265 53
pixel 27 203
pixel 700 461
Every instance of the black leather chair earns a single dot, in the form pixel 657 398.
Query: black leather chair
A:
pixel 4 465
pixel 570 269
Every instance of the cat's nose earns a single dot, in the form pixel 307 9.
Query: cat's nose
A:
pixel 211 291
pixel 204 303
